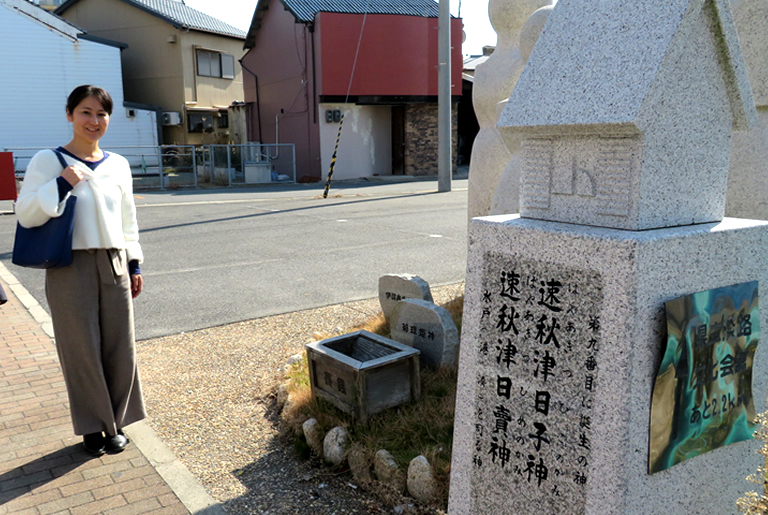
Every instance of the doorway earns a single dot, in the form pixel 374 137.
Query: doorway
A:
pixel 398 140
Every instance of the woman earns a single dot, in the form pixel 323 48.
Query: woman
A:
pixel 91 300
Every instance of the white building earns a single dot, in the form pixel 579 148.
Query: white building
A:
pixel 43 59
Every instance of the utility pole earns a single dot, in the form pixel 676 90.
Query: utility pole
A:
pixel 444 164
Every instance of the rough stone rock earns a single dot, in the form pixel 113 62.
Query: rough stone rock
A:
pixel 387 471
pixel 296 359
pixel 335 445
pixel 292 362
pixel 313 435
pixel 421 480
pixel 282 396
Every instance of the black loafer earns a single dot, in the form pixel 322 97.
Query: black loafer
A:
pixel 94 444
pixel 116 443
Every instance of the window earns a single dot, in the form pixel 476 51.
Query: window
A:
pixel 227 66
pixel 215 64
pixel 200 122
pixel 223 121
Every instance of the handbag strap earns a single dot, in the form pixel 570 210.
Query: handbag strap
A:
pixel 61 158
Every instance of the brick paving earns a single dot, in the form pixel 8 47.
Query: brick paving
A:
pixel 43 469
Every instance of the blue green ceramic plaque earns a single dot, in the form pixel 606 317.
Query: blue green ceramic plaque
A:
pixel 702 398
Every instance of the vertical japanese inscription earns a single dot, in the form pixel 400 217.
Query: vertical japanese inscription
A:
pixel 538 347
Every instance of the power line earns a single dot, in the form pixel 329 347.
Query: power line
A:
pixel 357 52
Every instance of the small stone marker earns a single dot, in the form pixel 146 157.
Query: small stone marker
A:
pixel 396 287
pixel 426 327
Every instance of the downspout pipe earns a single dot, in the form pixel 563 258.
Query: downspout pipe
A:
pixel 258 97
pixel 314 75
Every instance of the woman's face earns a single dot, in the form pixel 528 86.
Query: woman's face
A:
pixel 89 120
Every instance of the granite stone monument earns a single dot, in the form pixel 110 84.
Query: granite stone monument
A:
pixel 626 111
pixel 395 287
pixel 427 327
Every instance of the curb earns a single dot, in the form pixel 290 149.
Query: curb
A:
pixel 180 480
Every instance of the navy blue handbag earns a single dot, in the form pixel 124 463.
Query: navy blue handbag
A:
pixel 49 245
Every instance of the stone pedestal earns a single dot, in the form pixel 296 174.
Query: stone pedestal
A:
pixel 576 400
pixel 748 173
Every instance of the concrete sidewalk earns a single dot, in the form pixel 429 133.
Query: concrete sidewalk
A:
pixel 43 469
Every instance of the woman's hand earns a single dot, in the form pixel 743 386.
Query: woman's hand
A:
pixel 137 284
pixel 73 175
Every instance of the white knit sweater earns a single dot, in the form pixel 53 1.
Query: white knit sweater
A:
pixel 105 213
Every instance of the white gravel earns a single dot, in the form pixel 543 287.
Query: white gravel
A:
pixel 210 396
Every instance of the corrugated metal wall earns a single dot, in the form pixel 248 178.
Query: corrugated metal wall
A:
pixel 42 61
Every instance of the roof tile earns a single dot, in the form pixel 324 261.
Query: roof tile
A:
pixel 181 14
pixel 305 10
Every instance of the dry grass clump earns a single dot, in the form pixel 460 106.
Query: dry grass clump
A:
pixel 421 428
pixel 754 503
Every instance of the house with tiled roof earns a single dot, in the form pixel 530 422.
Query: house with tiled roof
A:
pixel 177 58
pixel 374 61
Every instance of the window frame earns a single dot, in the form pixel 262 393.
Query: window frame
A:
pixel 222 121
pixel 214 63
pixel 205 125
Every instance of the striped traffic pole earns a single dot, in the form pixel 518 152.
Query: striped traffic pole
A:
pixel 333 159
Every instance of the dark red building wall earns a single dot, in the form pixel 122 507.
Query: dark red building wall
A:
pixel 398 55
pixel 282 60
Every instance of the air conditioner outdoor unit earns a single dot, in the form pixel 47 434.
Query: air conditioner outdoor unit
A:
pixel 171 118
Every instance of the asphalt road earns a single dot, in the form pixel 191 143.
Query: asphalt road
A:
pixel 215 257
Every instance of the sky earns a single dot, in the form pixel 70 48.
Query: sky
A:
pixel 477 26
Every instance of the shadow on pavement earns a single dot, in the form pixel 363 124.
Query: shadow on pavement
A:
pixel 266 213
pixel 283 482
pixel 24 478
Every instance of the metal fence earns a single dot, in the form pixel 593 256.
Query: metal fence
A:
pixel 252 163
pixel 188 166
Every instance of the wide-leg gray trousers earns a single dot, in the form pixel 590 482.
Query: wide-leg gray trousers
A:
pixel 92 312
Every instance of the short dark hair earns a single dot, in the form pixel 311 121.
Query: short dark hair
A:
pixel 80 93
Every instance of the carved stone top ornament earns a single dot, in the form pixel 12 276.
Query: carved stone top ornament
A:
pixel 627 111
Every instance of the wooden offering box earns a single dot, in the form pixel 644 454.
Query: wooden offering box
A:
pixel 363 373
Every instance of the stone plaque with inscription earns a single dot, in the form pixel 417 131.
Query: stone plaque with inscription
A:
pixel 537 370
pixel 427 327
pixel 395 287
